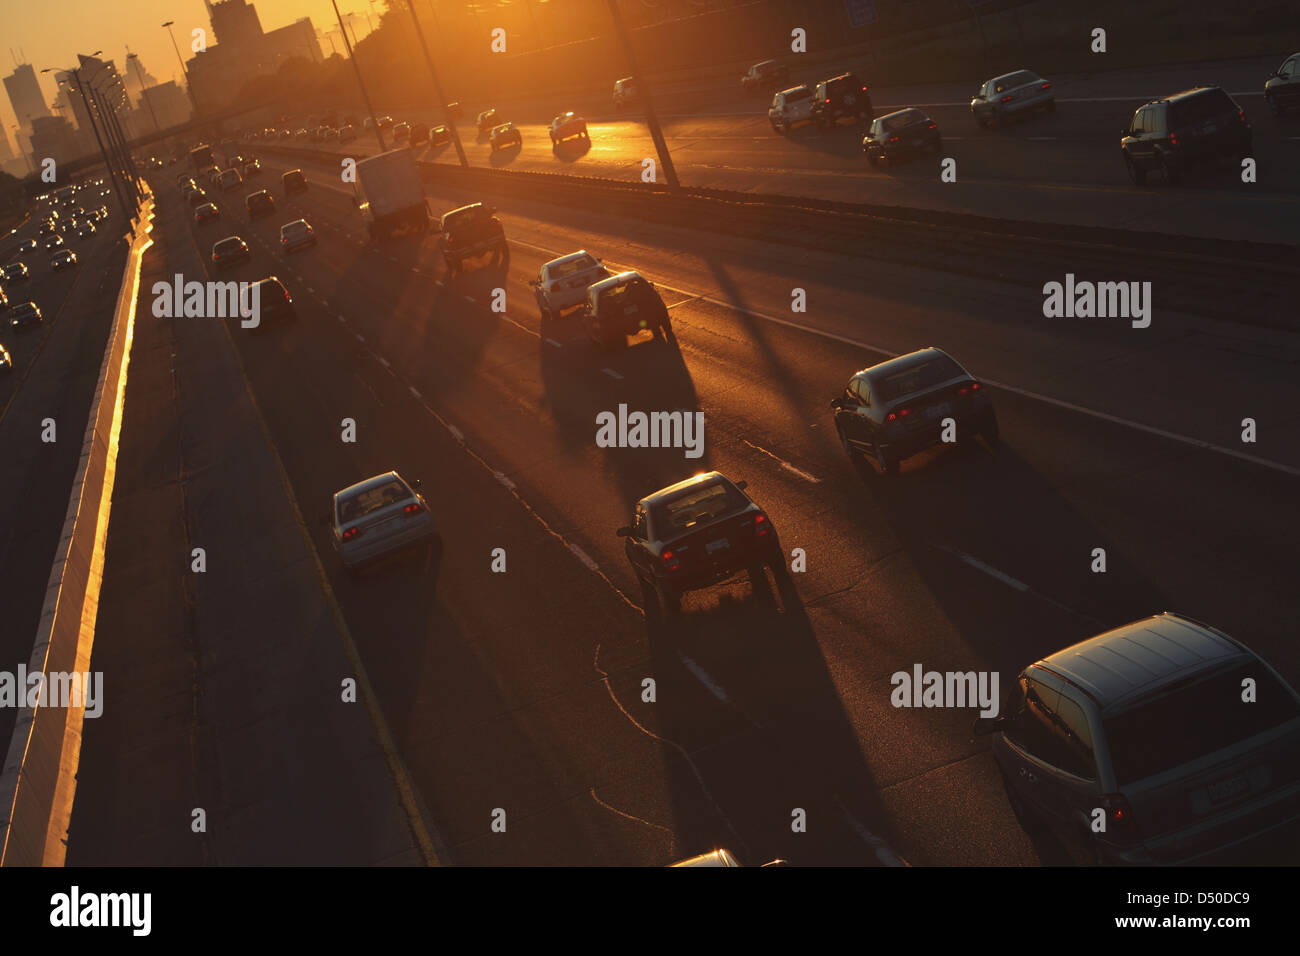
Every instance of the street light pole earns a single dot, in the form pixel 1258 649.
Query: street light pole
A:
pixel 189 87
pixel 437 88
pixel 117 189
pixel 352 57
pixel 144 93
pixel 643 90
pixel 130 175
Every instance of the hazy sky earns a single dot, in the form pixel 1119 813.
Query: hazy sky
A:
pixel 50 33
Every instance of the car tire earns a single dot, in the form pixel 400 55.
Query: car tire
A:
pixel 1138 176
pixel 849 450
pixel 990 430
pixel 1173 175
pixel 887 464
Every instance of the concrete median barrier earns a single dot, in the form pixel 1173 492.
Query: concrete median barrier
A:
pixel 40 768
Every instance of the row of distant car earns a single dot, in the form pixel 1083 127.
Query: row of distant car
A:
pixel 1169 135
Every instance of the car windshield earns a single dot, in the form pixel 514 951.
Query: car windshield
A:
pixel 1013 80
pixel 917 378
pixel 697 506
pixel 561 270
pixel 1194 718
pixel 896 122
pixel 362 503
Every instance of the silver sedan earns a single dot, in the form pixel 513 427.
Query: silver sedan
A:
pixel 562 283
pixel 1009 95
pixel 379 517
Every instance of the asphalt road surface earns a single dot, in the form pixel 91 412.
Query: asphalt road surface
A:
pixel 526 689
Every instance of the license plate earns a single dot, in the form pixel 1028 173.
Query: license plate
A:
pixel 713 547
pixel 937 411
pixel 1227 789
pixel 916 143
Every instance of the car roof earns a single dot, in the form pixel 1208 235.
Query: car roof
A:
pixel 795 89
pixel 1182 95
pixel 466 208
pixel 899 362
pixel 905 109
pixel 673 490
pixel 1138 658
pixel 842 76
pixel 1007 76
pixel 503 126
pixel 622 278
pixel 570 257
pixel 375 482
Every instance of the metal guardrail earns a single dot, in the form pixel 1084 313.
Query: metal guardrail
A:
pixel 40 770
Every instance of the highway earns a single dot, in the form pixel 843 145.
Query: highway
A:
pixel 524 690
pixel 1062 167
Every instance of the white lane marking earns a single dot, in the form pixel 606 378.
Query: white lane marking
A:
pixel 884 853
pixel 1041 139
pixel 501 477
pixel 392 258
pixel 582 556
pixel 986 568
pixel 456 433
pixel 553 342
pixel 383 361
pixel 360 337
pixel 311 290
pixel 470 298
pixel 416 392
pixel 611 373
pixel 783 463
pixel 701 675
pixel 339 316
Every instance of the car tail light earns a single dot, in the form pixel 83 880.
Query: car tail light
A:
pixel 893 139
pixel 828 99
pixel 932 126
pixel 762 527
pixel 864 89
pixel 413 508
pixel 1119 817
pixel 1008 98
pixel 967 389
pixel 670 560
pixel 895 416
pixel 1173 139
pixel 351 533
pixel 1241 114
pixel 1045 86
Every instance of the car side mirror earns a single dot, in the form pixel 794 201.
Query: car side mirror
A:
pixel 624 532
pixel 987 725
pixel 742 485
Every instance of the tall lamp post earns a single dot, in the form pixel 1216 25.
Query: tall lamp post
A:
pixel 108 163
pixel 437 88
pixel 144 93
pixel 189 87
pixel 352 57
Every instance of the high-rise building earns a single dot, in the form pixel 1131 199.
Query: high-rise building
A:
pixel 53 138
pixel 25 95
pixel 6 151
pixel 97 76
pixel 244 50
pixel 170 104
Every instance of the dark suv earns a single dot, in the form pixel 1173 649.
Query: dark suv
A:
pixel 1183 130
pixel 259 204
pixel 770 74
pixel 293 182
pixel 1282 91
pixel 843 95
pixel 470 231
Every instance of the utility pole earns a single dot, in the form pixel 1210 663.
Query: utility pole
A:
pixel 352 57
pixel 112 176
pixel 643 90
pixel 437 88
pixel 144 93
pixel 189 87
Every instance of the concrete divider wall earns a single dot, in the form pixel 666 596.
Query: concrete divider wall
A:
pixel 39 776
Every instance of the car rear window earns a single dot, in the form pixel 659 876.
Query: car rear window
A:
pixel 695 507
pixel 362 503
pixel 562 270
pixel 918 378
pixel 794 96
pixel 1194 719
pixel 906 118
pixel 1200 106
pixel 1013 80
pixel 228 245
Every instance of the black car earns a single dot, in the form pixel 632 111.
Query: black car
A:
pixel 1186 129
pixel 1283 88
pixel 198 196
pixel 402 133
pixel 470 231
pixel 765 76
pixel 843 95
pixel 440 136
pixel 28 245
pixel 293 182
pixel 623 305
pixel 900 407
pixel 23 315
pixel 63 259
pixel 6 360
pixel 487 119
pixel 16 272
pixel 274 303
pixel 697 533
pixel 898 134
pixel 259 204
pixel 503 136
pixel 419 134
pixel 228 251
pixel 53 242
